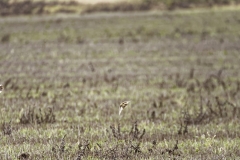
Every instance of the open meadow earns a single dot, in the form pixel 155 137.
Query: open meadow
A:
pixel 64 77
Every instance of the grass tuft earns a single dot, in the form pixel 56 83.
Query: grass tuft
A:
pixel 32 115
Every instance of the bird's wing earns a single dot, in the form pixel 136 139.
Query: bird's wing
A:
pixel 120 110
pixel 1 88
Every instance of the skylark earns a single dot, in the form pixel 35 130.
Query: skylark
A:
pixel 123 105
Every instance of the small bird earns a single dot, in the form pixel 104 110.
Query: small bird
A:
pixel 123 105
pixel 1 88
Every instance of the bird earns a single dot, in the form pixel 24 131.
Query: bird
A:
pixel 1 88
pixel 123 105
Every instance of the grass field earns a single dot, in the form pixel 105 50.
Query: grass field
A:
pixel 65 76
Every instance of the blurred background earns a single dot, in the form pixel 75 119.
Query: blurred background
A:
pixel 16 7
